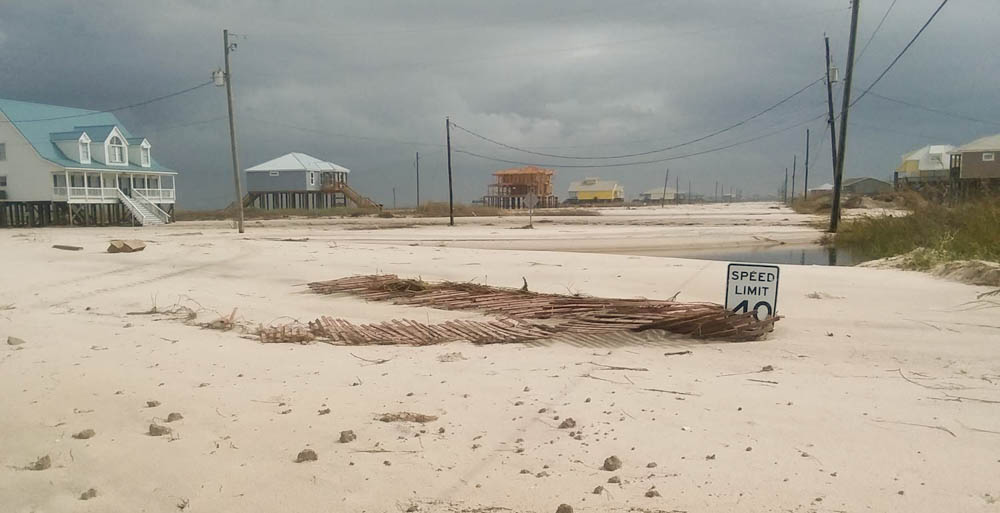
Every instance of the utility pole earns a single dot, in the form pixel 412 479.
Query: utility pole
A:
pixel 829 100
pixel 795 164
pixel 784 189
pixel 451 191
pixel 418 179
pixel 394 198
pixel 838 177
pixel 716 191
pixel 805 187
pixel 689 191
pixel 663 199
pixel 232 131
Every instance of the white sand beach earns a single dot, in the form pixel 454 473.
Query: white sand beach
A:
pixel 884 393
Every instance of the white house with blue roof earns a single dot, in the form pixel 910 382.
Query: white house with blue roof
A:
pixel 61 164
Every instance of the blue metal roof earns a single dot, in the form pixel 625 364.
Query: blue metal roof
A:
pixel 66 136
pixel 39 123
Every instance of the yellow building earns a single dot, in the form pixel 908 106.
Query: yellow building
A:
pixel 595 190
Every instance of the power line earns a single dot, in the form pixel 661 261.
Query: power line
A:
pixel 116 109
pixel 879 26
pixel 903 51
pixel 666 159
pixel 345 136
pixel 936 111
pixel 649 152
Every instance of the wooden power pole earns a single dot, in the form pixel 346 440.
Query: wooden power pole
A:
pixel 784 189
pixel 232 132
pixel 451 191
pixel 663 199
pixel 795 164
pixel 805 187
pixel 418 179
pixel 829 100
pixel 838 177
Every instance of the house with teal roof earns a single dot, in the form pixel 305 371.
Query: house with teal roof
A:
pixel 62 165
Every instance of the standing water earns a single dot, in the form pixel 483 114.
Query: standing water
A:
pixel 806 254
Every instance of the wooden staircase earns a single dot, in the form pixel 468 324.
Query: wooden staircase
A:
pixel 355 197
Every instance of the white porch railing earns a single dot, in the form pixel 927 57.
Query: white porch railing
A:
pixel 156 194
pixel 87 194
pixel 150 206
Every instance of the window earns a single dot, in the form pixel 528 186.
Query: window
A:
pixel 273 173
pixel 84 152
pixel 988 157
pixel 144 157
pixel 116 150
pixel 312 178
pixel 3 181
pixel 3 151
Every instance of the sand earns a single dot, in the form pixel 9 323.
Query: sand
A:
pixel 878 398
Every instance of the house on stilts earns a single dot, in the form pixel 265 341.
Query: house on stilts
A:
pixel 300 181
pixel 62 165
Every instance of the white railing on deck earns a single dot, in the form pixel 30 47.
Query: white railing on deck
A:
pixel 156 194
pixel 152 207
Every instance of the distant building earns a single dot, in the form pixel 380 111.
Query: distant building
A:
pixel 300 181
pixel 513 187
pixel 61 165
pixel 928 164
pixel 865 186
pixel 821 190
pixel 595 190
pixel 977 160
pixel 656 195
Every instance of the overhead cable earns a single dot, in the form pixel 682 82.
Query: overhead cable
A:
pixel 116 109
pixel 649 152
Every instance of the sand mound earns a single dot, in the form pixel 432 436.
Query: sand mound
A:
pixel 972 272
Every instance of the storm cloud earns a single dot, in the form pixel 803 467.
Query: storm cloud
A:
pixel 368 83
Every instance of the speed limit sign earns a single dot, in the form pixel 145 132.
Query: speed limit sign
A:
pixel 752 288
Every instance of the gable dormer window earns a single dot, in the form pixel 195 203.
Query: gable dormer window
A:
pixel 116 150
pixel 85 152
pixel 144 156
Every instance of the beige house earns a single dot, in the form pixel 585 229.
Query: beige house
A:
pixel 978 160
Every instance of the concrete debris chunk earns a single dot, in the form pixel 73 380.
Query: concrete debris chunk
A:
pixel 126 246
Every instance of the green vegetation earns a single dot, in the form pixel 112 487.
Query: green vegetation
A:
pixel 966 231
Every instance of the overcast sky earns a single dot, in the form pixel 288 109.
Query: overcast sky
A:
pixel 368 83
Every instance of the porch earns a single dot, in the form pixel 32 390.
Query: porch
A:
pixel 108 186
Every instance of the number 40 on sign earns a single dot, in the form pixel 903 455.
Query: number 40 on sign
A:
pixel 752 288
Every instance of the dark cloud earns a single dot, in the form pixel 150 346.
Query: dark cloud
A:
pixel 367 84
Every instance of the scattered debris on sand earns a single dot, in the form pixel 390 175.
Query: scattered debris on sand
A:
pixel 614 480
pixel 85 434
pixel 158 430
pixel 568 423
pixel 611 464
pixel 599 490
pixel 64 247
pixel 406 416
pixel 89 494
pixel 14 341
pixel 152 404
pixel 42 463
pixel 324 411
pixel 174 417
pixel 347 437
pixel 564 508
pixel 306 455
pixel 652 492
pixel 126 246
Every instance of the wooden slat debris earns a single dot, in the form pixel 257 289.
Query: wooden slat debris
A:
pixel 519 314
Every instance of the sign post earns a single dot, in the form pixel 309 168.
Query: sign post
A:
pixel 752 288
pixel 531 200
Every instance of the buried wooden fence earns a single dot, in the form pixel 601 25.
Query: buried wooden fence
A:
pixel 523 315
